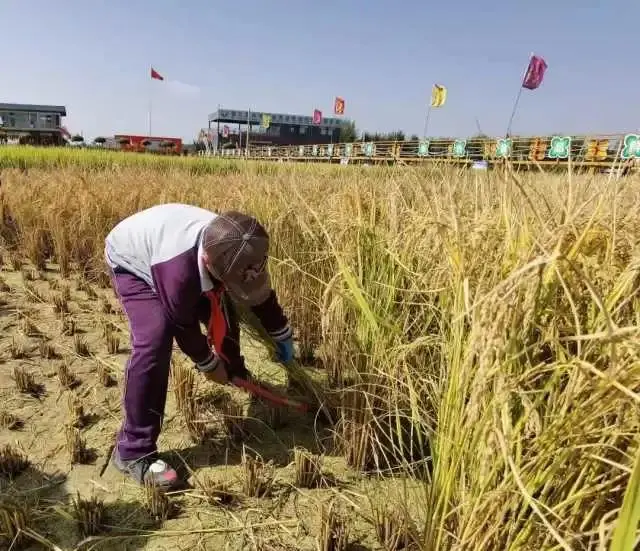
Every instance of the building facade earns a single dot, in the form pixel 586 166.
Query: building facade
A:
pixel 32 124
pixel 157 144
pixel 236 127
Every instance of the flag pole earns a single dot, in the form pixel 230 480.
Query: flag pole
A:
pixel 149 114
pixel 248 127
pixel 218 131
pixel 426 120
pixel 515 104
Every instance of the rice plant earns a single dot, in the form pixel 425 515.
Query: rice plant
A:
pixel 477 331
pixel 12 461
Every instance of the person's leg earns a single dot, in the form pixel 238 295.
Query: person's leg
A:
pixel 146 381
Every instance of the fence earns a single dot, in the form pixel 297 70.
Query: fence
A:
pixel 594 151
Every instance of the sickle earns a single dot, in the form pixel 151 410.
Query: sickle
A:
pixel 262 392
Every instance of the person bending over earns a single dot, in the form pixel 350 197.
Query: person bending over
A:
pixel 174 266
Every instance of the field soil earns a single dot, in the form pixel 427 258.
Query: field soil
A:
pixel 288 518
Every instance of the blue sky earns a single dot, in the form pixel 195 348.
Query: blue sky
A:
pixel 94 57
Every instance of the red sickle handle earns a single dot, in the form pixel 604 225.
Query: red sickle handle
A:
pixel 262 392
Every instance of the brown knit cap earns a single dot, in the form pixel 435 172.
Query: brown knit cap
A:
pixel 237 246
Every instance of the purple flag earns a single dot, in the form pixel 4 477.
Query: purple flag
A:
pixel 535 73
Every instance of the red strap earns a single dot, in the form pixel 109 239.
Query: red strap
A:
pixel 217 329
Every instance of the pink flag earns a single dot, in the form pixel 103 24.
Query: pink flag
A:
pixel 535 73
pixel 317 116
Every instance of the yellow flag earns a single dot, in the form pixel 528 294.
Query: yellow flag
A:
pixel 438 95
pixel 266 120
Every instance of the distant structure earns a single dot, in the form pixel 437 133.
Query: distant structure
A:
pixel 234 128
pixel 156 144
pixel 29 124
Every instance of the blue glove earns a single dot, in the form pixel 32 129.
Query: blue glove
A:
pixel 284 350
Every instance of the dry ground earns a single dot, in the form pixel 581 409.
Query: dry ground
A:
pixel 288 518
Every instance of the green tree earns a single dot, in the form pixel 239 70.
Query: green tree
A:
pixel 348 133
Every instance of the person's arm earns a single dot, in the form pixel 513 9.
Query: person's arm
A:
pixel 179 292
pixel 273 318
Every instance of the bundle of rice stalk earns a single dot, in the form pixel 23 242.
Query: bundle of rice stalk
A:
pixel 298 376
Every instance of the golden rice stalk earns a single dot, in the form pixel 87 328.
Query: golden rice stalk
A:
pixel 25 382
pixel 46 350
pixel 28 327
pixel 4 286
pixel 184 389
pixel 76 446
pixel 394 527
pixel 16 261
pixel 80 346
pixel 18 348
pixel 12 461
pixel 258 478
pixel 334 530
pixel 78 417
pixel 234 418
pixel 67 325
pixel 14 523
pixel 66 377
pixel 217 492
pixel 157 502
pixel 60 303
pixel 104 375
pixel 113 343
pixel 308 468
pixel 298 376
pixel 89 515
pixel 9 421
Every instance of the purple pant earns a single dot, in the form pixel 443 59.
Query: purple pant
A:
pixel 147 370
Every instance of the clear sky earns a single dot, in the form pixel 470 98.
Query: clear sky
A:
pixel 94 57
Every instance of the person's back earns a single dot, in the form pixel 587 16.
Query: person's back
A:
pixel 155 235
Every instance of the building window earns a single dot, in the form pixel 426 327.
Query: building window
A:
pixel 303 130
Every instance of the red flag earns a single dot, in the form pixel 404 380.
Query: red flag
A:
pixel 225 131
pixel 317 116
pixel 155 74
pixel 338 106
pixel 535 73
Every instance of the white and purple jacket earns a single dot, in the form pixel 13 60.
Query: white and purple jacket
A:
pixel 162 246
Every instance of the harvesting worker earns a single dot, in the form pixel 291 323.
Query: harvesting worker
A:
pixel 172 267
